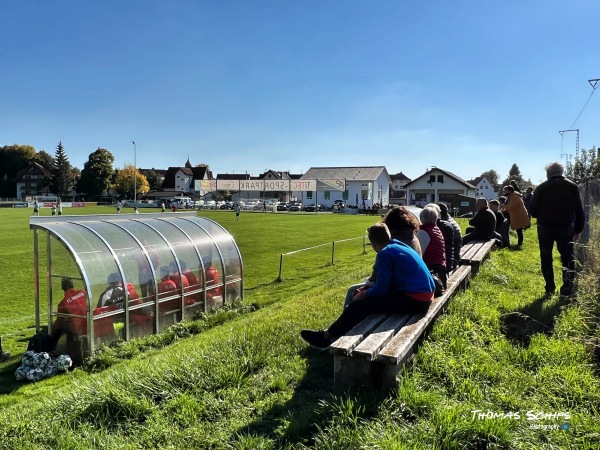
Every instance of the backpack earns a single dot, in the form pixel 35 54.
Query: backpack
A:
pixel 41 342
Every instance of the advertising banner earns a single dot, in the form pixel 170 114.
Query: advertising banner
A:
pixel 331 185
pixel 228 185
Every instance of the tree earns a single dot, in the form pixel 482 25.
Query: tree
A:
pixel 62 180
pixel 96 175
pixel 124 181
pixel 13 158
pixel 154 179
pixel 514 174
pixel 492 176
pixel 45 160
pixel 586 167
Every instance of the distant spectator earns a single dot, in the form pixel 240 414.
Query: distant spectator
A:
pixel 432 243
pixel 174 207
pixel 557 206
pixel 36 208
pixel 53 209
pixel 163 207
pixel 515 186
pixel 135 210
pixel 119 205
pixel 519 218
pixel 527 199
pixel 237 211
pixel 483 224
pixel 501 222
pixel 59 208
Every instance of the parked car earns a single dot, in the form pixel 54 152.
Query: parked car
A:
pixel 338 205
pixel 296 207
pixel 313 208
pixel 282 206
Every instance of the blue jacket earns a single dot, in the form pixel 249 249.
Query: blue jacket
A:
pixel 400 270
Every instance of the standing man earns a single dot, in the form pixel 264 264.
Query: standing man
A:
pixel 119 205
pixel 237 211
pixel 557 206
pixel 36 208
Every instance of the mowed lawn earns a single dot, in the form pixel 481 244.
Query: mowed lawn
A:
pixel 502 368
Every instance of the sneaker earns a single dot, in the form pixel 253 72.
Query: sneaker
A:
pixel 4 356
pixel 316 339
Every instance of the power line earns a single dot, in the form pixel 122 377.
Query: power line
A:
pixel 586 103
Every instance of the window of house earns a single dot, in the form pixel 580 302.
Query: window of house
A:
pixel 432 178
pixel 309 195
pixel 327 195
pixel 440 178
pixel 345 195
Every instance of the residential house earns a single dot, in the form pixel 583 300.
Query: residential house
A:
pixel 32 181
pixel 484 188
pixel 397 191
pixel 186 180
pixel 364 186
pixel 438 185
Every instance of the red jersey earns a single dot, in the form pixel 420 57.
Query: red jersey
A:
pixel 74 302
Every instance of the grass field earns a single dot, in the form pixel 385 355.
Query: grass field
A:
pixel 503 368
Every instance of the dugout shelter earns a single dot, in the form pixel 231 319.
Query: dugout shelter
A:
pixel 168 267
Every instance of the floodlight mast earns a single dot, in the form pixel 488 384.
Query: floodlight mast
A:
pixel 134 172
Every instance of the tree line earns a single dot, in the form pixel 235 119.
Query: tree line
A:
pixel 97 178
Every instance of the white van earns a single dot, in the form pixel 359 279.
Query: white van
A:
pixel 180 202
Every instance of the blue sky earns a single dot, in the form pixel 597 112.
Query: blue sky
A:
pixel 467 86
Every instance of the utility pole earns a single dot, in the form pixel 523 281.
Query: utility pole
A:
pixel 134 172
pixel 562 132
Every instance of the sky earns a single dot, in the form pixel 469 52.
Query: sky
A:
pixel 248 86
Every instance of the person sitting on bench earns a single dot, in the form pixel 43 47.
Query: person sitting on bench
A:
pixel 483 225
pixel 403 285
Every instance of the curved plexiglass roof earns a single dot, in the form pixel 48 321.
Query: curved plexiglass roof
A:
pixel 140 251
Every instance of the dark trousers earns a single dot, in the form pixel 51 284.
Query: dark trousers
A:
pixel 502 230
pixel 359 309
pixel 519 236
pixel 563 236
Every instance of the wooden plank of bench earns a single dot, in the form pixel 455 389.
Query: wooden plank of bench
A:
pixel 467 251
pixel 369 347
pixel 345 344
pixel 477 253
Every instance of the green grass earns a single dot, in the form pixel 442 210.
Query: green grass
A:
pixel 244 379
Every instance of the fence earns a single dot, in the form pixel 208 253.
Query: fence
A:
pixel 364 244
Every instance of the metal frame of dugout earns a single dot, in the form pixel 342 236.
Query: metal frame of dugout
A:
pixel 136 250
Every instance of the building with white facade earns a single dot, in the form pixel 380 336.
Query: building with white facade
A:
pixel 437 185
pixel 364 186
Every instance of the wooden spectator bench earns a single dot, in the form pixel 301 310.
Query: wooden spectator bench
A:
pixel 475 252
pixel 373 352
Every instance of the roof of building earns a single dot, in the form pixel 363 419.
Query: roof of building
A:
pixel 32 169
pixel 347 173
pixel 445 172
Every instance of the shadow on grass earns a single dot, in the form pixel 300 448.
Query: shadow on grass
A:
pixel 298 419
pixel 537 317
